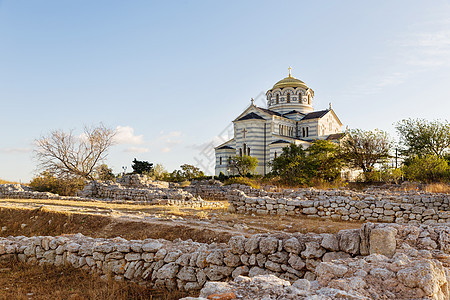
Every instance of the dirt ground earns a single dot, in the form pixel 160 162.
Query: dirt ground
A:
pixel 100 219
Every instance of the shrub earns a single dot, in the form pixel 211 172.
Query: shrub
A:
pixel 242 180
pixel 47 182
pixel 430 168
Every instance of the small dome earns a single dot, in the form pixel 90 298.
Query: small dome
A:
pixel 289 82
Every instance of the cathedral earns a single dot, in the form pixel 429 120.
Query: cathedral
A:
pixel 288 118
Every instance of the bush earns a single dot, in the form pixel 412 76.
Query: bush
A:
pixel 242 180
pixel 430 168
pixel 47 182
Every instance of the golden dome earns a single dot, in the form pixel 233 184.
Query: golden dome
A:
pixel 289 82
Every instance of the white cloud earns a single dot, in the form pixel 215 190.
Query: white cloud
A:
pixel 125 135
pixel 428 49
pixel 15 150
pixel 169 140
pixel 137 150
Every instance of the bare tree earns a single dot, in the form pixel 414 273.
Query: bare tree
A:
pixel 363 149
pixel 67 155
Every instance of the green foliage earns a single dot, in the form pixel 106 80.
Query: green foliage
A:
pixel 190 172
pixel 429 168
pixel 221 176
pixel 104 173
pixel 243 165
pixel 420 137
pixel 390 175
pixel 324 160
pixel 142 167
pixel 47 182
pixel 363 149
pixel 159 172
pixel 242 180
pixel 291 166
pixel 320 162
pixel 187 173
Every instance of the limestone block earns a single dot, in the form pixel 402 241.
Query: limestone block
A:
pixel 349 241
pixel 382 241
pixel 313 250
pixel 330 242
pixel 268 245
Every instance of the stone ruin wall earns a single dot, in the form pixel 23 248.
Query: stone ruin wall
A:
pixel 188 265
pixel 115 193
pixel 344 205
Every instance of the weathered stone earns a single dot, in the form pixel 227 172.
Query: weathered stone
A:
pixel 349 241
pixel 382 241
pixel 236 244
pixel 268 245
pixel 313 250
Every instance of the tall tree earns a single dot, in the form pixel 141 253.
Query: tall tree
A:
pixel 142 167
pixel 363 149
pixel 191 172
pixel 325 160
pixel 67 155
pixel 292 165
pixel 243 164
pixel 421 137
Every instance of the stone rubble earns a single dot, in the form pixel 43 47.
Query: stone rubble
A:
pixel 332 264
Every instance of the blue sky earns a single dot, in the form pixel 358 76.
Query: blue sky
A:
pixel 172 75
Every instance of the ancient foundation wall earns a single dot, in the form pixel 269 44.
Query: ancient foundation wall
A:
pixel 376 206
pixel 187 265
pixel 113 193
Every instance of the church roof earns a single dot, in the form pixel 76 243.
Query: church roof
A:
pixel 225 147
pixel 316 114
pixel 280 142
pixel 251 116
pixel 335 136
pixel 270 112
pixel 293 112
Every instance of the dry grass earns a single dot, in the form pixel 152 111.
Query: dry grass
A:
pixel 47 222
pixel 7 182
pixel 23 281
pixel 437 188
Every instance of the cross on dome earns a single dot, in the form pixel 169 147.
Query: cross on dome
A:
pixel 290 71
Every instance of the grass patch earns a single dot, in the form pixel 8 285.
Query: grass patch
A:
pixel 24 281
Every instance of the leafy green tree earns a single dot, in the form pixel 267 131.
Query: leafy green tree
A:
pixel 420 137
pixel 160 173
pixel 364 149
pixel 324 160
pixel 243 164
pixel 292 165
pixel 190 172
pixel 104 173
pixel 142 167
pixel 429 168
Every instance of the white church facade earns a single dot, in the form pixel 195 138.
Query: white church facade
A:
pixel 288 118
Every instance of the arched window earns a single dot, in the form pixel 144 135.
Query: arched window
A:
pixel 288 98
pixel 299 97
pixel 303 132
pixel 220 160
pixel 240 152
pixel 277 98
pixel 307 133
pixel 275 154
pixel 245 149
pixel 279 130
pixel 248 151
